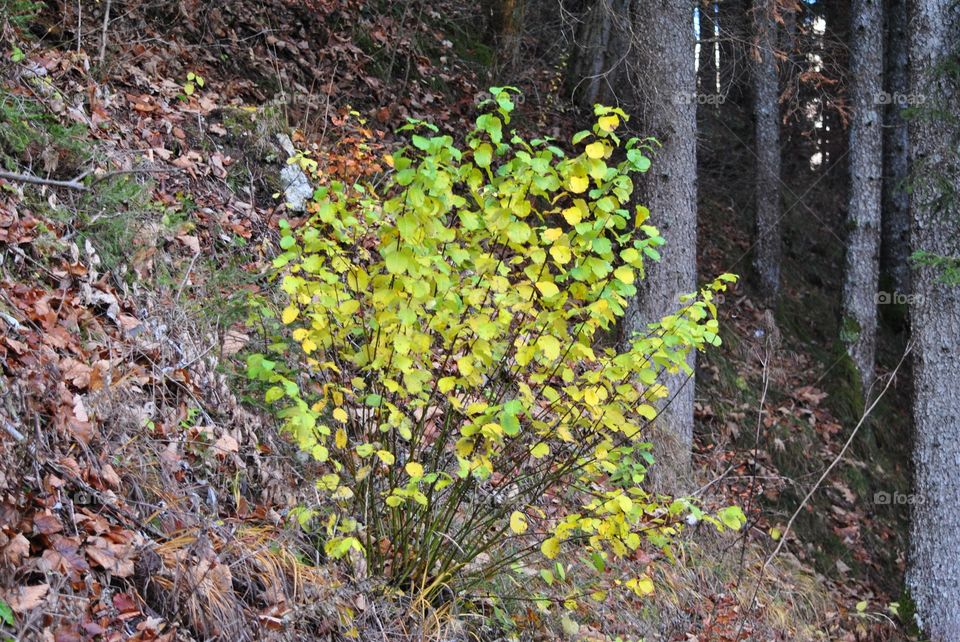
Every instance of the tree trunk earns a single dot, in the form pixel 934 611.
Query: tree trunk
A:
pixel 767 140
pixel 859 327
pixel 934 567
pixel 506 26
pixel 895 246
pixel 602 49
pixel 665 81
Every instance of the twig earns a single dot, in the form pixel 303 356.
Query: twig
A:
pixel 12 431
pixel 37 180
pixel 75 184
pixel 103 33
pixel 135 170
pixel 186 276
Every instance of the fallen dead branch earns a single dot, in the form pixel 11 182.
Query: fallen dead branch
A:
pixel 76 183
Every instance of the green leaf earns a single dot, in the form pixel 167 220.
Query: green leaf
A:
pixel 732 517
pixel 510 425
pixel 483 155
pixel 365 450
pixel 579 136
pixel 273 394
pixel 540 450
pixel 6 614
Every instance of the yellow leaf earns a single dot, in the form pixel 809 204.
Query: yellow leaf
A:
pixel 492 430
pixel 642 215
pixel 596 150
pixel 414 469
pixel 547 288
pixel 465 366
pixel 540 450
pixel 572 215
pixel 552 234
pixel 579 184
pixel 608 123
pixel 340 439
pixel 340 415
pixel 386 457
pixel 518 522
pixel 446 384
pixel 290 314
pixel 645 585
pixel 550 346
pixel 590 396
pixel 623 273
pixel 464 447
pixel 550 547
pixel 308 345
pixel 560 253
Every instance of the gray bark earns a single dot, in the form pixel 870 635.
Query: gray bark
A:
pixel 895 244
pixel 601 54
pixel 934 564
pixel 863 208
pixel 665 81
pixel 767 140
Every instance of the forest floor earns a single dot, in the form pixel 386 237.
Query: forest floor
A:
pixel 144 491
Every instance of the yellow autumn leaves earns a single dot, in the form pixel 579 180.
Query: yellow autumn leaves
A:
pixel 445 336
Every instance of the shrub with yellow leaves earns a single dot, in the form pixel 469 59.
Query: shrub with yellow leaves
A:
pixel 446 370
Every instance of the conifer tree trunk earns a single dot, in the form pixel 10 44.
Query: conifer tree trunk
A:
pixel 506 25
pixel 934 564
pixel 599 60
pixel 859 299
pixel 665 82
pixel 767 141
pixel 895 245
